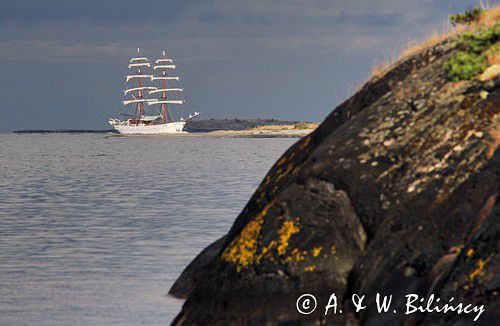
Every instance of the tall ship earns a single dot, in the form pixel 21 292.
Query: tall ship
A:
pixel 153 101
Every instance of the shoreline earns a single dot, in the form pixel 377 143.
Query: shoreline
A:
pixel 212 128
pixel 260 133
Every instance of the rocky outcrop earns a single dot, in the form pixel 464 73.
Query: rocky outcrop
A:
pixel 195 271
pixel 396 192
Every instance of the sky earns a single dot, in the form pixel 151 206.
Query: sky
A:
pixel 63 62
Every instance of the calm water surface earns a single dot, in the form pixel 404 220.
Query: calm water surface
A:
pixel 94 230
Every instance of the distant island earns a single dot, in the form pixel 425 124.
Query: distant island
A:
pixel 223 127
pixel 245 124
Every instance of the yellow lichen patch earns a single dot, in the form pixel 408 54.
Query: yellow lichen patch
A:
pixel 280 175
pixel 268 178
pixel 478 271
pixel 266 250
pixel 285 232
pixel 469 252
pixel 271 245
pixel 316 251
pixel 241 251
pixel 295 256
pixel 456 249
pixel 310 268
pixel 261 196
pixel 281 160
pixel 295 169
pixel 262 188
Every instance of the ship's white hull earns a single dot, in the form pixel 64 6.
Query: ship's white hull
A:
pixel 150 129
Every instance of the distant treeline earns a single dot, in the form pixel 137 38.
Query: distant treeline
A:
pixel 233 124
pixel 191 126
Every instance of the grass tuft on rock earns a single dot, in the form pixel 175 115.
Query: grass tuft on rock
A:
pixel 474 49
pixel 466 18
pixel 465 65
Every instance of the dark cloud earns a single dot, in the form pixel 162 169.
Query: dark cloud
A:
pixel 97 11
pixel 212 16
pixel 62 61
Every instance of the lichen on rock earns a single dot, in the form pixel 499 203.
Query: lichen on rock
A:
pixel 242 250
pixel 396 192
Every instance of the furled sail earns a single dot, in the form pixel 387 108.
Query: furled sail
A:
pixel 142 64
pixel 139 100
pixel 164 78
pixel 164 67
pixel 138 76
pixel 161 90
pixel 164 60
pixel 160 101
pixel 138 59
pixel 139 89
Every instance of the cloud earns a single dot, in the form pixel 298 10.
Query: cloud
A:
pixel 203 48
pixel 70 30
pixel 55 51
pixel 374 12
pixel 212 16
pixel 96 11
pixel 240 52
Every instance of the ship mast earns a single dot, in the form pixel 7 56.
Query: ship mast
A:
pixel 139 84
pixel 139 63
pixel 163 64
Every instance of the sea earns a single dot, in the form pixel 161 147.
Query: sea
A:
pixel 95 229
